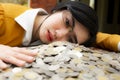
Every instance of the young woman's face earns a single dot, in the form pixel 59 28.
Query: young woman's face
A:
pixel 61 26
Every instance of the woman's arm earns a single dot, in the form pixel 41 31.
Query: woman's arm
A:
pixel 108 41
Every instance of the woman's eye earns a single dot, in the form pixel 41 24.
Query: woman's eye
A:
pixel 70 40
pixel 67 22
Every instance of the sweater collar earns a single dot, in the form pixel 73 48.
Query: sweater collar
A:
pixel 26 21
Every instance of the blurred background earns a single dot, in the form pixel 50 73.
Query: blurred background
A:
pixel 108 11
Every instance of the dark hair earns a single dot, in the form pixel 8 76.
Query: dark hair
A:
pixel 83 14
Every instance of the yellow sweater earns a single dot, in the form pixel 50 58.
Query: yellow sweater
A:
pixel 10 32
pixel 108 41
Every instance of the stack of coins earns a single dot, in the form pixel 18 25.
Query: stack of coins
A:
pixel 67 61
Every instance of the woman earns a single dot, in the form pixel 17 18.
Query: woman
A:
pixel 20 26
pixel 24 26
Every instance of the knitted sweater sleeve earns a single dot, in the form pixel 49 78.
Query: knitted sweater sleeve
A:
pixel 108 41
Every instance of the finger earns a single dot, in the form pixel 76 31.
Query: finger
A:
pixel 23 57
pixel 25 51
pixel 13 60
pixel 3 65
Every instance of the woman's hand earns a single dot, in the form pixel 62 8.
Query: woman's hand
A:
pixel 15 55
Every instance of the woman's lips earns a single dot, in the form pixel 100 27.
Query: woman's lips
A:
pixel 49 36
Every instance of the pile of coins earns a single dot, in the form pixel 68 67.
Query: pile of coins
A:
pixel 67 61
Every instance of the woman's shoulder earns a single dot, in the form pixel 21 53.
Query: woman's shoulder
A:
pixel 13 10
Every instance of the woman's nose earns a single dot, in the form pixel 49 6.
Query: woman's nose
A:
pixel 62 34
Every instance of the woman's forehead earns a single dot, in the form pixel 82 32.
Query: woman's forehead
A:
pixel 64 11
